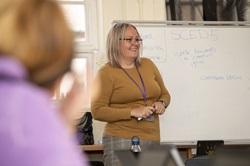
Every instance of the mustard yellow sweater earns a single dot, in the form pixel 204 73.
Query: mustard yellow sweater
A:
pixel 115 94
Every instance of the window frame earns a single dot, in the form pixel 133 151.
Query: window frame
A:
pixel 86 49
pixel 90 43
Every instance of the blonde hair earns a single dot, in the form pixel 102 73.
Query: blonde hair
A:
pixel 116 33
pixel 36 33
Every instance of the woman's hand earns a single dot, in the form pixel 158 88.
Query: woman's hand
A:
pixel 74 102
pixel 159 107
pixel 142 112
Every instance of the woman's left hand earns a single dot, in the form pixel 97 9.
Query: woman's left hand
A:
pixel 159 107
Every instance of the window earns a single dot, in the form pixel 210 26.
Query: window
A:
pixel 82 17
pixel 75 14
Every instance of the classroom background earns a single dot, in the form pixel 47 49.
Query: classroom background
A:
pixel 92 19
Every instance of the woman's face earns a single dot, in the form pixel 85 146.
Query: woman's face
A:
pixel 130 45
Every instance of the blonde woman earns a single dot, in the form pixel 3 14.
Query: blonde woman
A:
pixel 128 93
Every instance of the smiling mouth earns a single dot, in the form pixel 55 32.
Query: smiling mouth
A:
pixel 133 49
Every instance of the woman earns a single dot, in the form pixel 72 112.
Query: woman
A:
pixel 36 49
pixel 127 89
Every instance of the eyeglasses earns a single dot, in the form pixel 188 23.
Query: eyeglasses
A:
pixel 132 40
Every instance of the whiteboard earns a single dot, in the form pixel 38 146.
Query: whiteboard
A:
pixel 206 69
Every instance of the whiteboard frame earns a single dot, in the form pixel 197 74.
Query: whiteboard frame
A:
pixel 183 23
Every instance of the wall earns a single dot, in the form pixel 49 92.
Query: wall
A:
pixel 131 10
pixel 187 10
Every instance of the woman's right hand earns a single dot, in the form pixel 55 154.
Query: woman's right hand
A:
pixel 74 102
pixel 143 111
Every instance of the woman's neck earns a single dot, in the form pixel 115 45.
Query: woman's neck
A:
pixel 127 65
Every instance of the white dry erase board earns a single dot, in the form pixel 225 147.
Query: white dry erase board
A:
pixel 206 68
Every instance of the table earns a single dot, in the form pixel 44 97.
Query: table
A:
pixel 97 149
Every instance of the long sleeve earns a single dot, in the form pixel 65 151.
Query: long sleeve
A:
pixel 165 96
pixel 102 93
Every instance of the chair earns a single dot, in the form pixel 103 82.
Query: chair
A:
pixel 208 147
pixel 204 153
pixel 96 163
pixel 151 156
pixel 229 156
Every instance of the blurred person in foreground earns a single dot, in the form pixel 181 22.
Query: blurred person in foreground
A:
pixel 36 49
pixel 126 89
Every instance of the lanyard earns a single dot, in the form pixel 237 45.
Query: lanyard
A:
pixel 143 92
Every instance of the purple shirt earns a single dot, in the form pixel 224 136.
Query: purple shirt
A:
pixel 31 130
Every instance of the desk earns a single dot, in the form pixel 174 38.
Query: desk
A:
pixel 92 149
pixel 187 149
pixel 95 152
pixel 97 149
